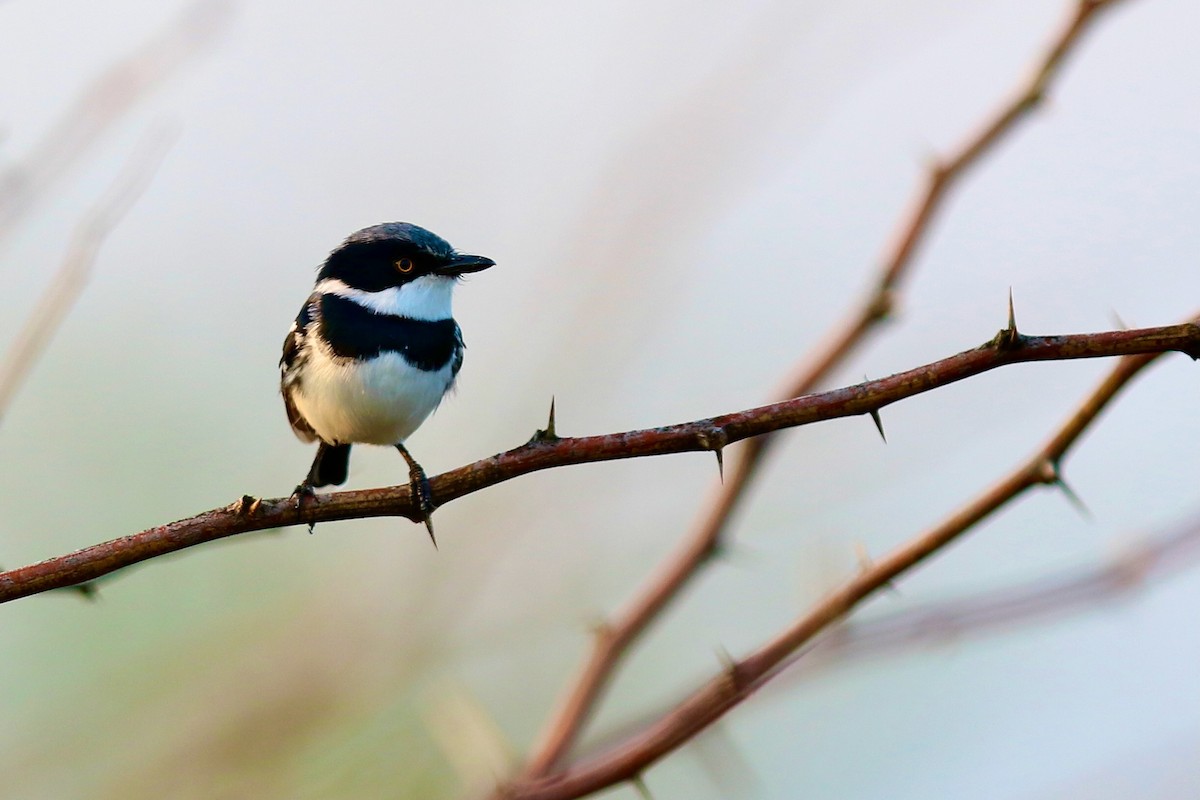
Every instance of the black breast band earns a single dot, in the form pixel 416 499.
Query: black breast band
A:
pixel 354 331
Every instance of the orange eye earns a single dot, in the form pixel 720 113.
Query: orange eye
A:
pixel 405 265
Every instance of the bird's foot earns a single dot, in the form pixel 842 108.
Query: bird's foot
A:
pixel 422 496
pixel 303 492
pixel 420 491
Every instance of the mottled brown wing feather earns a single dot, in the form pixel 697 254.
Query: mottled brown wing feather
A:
pixel 290 360
pixel 299 424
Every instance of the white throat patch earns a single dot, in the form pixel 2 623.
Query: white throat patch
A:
pixel 426 298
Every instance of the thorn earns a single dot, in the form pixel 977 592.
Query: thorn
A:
pixel 716 549
pixel 728 663
pixel 600 628
pixel 863 557
pixel 714 439
pixel 640 784
pixel 1116 318
pixel 1049 473
pixel 883 304
pixel 549 433
pixel 729 666
pixel 935 166
pixel 733 552
pixel 246 505
pixel 1012 335
pixel 1074 499
pixel 90 590
pixel 1008 338
pixel 874 412
pixel 429 527
pixel 878 424
pixel 866 564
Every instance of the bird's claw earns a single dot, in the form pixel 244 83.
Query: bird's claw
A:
pixel 302 492
pixel 419 491
pixel 422 496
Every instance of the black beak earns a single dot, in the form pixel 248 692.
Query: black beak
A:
pixel 462 264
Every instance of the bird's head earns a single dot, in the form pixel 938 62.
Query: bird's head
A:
pixel 398 268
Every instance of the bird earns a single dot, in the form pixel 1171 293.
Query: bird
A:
pixel 374 350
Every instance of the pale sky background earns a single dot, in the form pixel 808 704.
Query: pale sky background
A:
pixel 681 198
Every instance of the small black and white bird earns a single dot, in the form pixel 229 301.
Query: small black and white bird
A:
pixel 374 349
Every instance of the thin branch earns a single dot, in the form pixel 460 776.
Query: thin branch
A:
pixel 740 679
pixel 545 452
pixel 72 274
pixel 1150 559
pixel 676 571
pixel 1143 563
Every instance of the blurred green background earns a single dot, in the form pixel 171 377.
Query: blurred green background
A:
pixel 682 199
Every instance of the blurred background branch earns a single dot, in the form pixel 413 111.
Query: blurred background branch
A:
pixel 1142 563
pixel 616 635
pixel 71 277
pixel 104 102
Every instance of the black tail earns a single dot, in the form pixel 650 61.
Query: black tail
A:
pixel 330 466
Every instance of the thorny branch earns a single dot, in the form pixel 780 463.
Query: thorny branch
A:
pixel 668 580
pixel 546 450
pixel 741 678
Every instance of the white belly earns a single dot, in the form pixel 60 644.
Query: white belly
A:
pixel 381 401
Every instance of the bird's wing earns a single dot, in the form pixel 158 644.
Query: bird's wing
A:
pixel 458 351
pixel 294 356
